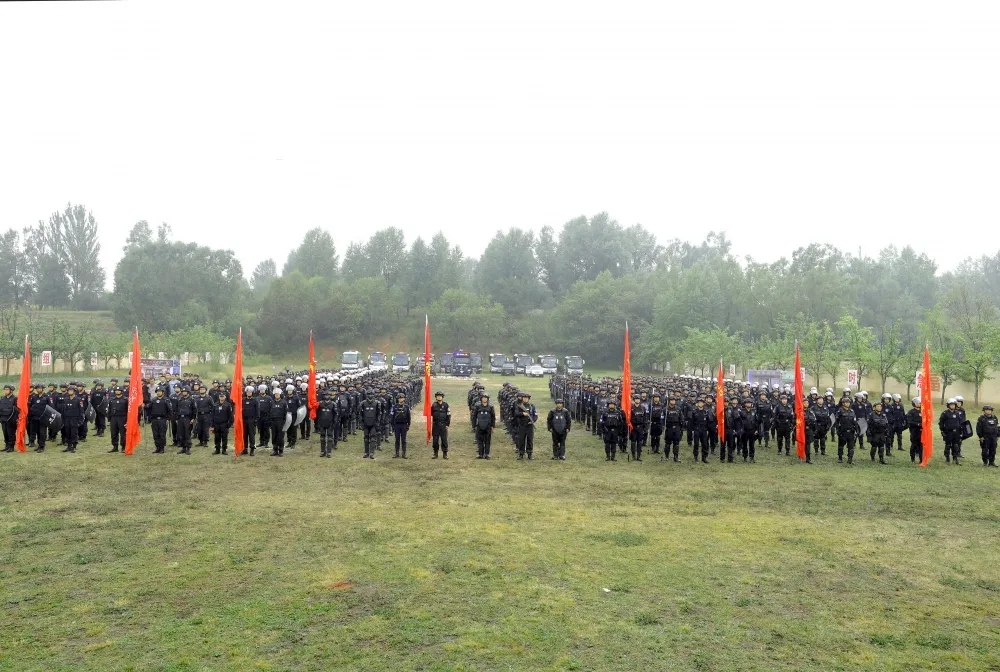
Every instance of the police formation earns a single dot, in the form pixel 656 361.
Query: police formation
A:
pixel 682 409
pixel 185 410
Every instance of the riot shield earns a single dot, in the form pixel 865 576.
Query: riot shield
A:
pixel 288 422
pixel 52 419
pixel 300 415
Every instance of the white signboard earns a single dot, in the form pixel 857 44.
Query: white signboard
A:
pixel 46 358
pixel 852 378
pixel 208 356
pixel 732 370
pixel 161 355
pixel 130 358
pixel 185 358
pixel 668 367
pixel 95 360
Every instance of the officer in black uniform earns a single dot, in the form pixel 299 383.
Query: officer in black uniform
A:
pixel 250 410
pixel 655 424
pixel 73 416
pixel 326 419
pixel 440 421
pixel 673 419
pixel 559 423
pixel 37 403
pixel 986 430
pixel 950 424
pixel 159 414
pixel 8 417
pixel 277 419
pixel 97 398
pixel 204 405
pixel 222 420
pixel 117 414
pixel 612 424
pixel 370 418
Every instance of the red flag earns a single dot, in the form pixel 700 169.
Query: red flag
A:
pixel 311 401
pixel 926 409
pixel 800 412
pixel 237 396
pixel 720 406
pixel 22 398
pixel 133 435
pixel 427 376
pixel 627 384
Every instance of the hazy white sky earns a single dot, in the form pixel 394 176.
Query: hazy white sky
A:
pixel 242 124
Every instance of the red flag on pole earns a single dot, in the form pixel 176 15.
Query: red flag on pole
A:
pixel 800 412
pixel 627 383
pixel 133 435
pixel 22 398
pixel 237 396
pixel 311 401
pixel 926 409
pixel 427 376
pixel 720 406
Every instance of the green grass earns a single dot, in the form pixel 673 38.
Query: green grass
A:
pixel 102 320
pixel 207 563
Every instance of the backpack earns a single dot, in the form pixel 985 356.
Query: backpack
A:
pixel 559 422
pixel 483 418
pixel 370 414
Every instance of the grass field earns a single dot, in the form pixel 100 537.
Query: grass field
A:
pixel 208 563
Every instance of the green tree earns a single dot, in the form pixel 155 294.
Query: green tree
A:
pixel 508 272
pixel 976 321
pixel 858 345
pixel 263 274
pixel 316 256
pixel 17 276
pixel 888 350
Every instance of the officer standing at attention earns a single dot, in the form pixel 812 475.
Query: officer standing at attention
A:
pixel 441 420
pixel 186 412
pixel 527 415
pixel 484 419
pixel 159 412
pixel 8 417
pixel 73 417
pixel 117 413
pixel 222 420
pixel 400 424
pixel 986 430
pixel 559 424
pixel 36 409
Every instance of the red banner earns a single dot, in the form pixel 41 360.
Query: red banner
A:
pixel 237 396
pixel 311 400
pixel 720 407
pixel 133 435
pixel 627 384
pixel 926 410
pixel 800 413
pixel 22 398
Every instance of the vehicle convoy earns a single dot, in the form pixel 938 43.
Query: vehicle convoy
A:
pixel 522 362
pixel 477 362
pixel 400 362
pixel 377 361
pixel 497 360
pixel 351 361
pixel 535 371
pixel 550 363
pixel 574 365
pixel 461 363
pixel 444 365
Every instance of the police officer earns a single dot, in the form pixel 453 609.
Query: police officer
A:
pixel 879 432
pixel 222 420
pixel 37 403
pixel 8 417
pixel 204 404
pixel 73 416
pixel 326 420
pixel 950 424
pixel 698 429
pixel 526 415
pixel 640 419
pixel 612 424
pixel 250 412
pixel 847 430
pixel 400 424
pixel 370 413
pixel 672 419
pixel 277 419
pixel 440 421
pixel 986 430
pixel 484 419
pixel 783 418
pixel 559 422
pixel 117 414
pixel 914 421
pixel 186 411
pixel 159 413
pixel 98 397
pixel 655 424
pixel 264 401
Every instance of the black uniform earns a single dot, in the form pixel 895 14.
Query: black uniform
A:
pixel 97 400
pixel 986 430
pixel 879 434
pixel 526 416
pixel 277 419
pixel 36 409
pixel 915 423
pixel 159 413
pixel 672 419
pixel 440 421
pixel 204 405
pixel 73 416
pixel 117 415
pixel 484 419
pixel 264 418
pixel 326 421
pixel 559 423
pixel 847 432
pixel 8 419
pixel 950 424
pixel 612 425
pixel 370 418
pixel 783 419
pixel 186 411
pixel 222 420
pixel 250 410
pixel 698 428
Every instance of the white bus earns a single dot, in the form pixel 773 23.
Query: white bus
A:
pixel 351 361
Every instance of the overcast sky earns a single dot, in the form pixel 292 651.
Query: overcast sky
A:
pixel 243 124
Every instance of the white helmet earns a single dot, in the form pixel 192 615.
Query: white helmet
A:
pixel 249 389
pixel 298 378
pixel 262 388
pixel 289 388
pixel 951 400
pixel 813 390
pixel 304 386
pixel 896 397
pixel 829 390
pixel 959 400
pixel 847 390
pixel 864 394
pixel 915 401
pixel 288 381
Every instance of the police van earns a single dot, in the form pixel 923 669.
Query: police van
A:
pixel 377 361
pixel 574 365
pixel 497 360
pixel 400 362
pixel 549 364
pixel 351 361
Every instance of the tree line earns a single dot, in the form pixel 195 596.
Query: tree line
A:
pixel 566 290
